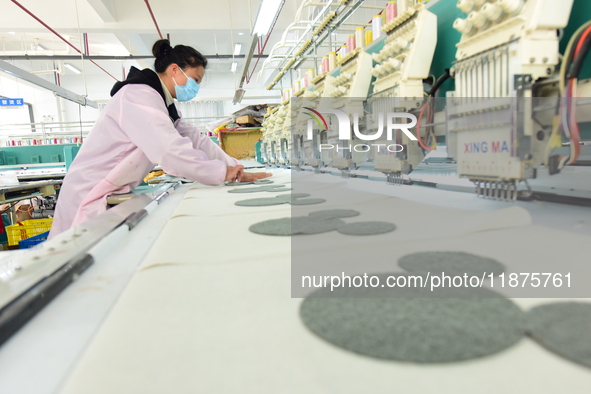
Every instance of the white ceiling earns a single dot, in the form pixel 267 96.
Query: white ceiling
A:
pixel 124 27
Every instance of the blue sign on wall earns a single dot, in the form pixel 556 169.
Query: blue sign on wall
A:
pixel 11 102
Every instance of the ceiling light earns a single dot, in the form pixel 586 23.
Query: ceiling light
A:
pixel 238 96
pixel 234 65
pixel 72 68
pixel 241 34
pixel 237 49
pixel 11 32
pixel 267 13
pixel 41 47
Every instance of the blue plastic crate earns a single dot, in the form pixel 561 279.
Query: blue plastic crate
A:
pixel 35 240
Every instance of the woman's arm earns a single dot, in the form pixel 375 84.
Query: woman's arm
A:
pixel 203 142
pixel 145 121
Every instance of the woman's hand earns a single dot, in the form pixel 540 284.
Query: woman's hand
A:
pixel 233 174
pixel 253 176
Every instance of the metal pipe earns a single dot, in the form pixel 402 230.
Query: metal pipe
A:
pixel 45 72
pixel 330 29
pixel 59 35
pixel 247 64
pixel 86 45
pixel 58 91
pixel 297 20
pixel 119 58
pixel 376 7
pixel 153 18
pixel 319 40
pixel 265 44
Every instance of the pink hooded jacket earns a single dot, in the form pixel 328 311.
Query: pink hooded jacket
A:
pixel 134 132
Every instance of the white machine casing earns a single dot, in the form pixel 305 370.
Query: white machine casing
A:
pixel 354 78
pixel 402 65
pixel 406 58
pixel 506 46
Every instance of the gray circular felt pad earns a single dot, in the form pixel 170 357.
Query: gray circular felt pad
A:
pixel 238 183
pixel 334 213
pixel 421 330
pixel 266 188
pixel 563 328
pixel 367 228
pixel 277 200
pixel 295 226
pixel 257 182
pixel 307 201
pixel 293 196
pixel 260 202
pixel 452 263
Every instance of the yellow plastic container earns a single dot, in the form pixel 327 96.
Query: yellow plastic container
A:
pixel 27 229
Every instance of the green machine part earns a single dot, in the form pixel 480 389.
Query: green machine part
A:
pixel 448 37
pixel 257 148
pixel 70 153
pixel 581 13
pixel 49 155
pixel 5 222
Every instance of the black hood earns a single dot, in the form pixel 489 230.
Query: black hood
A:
pixel 150 78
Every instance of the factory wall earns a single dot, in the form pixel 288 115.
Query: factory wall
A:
pixel 44 102
pixel 215 86
pixel 48 108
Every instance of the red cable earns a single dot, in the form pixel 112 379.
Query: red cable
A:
pixel 581 41
pixel 154 19
pixel 421 143
pixel 574 126
pixel 61 38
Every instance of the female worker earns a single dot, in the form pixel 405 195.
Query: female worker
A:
pixel 138 128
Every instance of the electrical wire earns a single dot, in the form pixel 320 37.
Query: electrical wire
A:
pixel 569 53
pixel 9 207
pixel 440 82
pixel 574 126
pixel 581 53
pixel 28 210
pixel 573 59
pixel 80 35
pixel 419 138
pixel 430 139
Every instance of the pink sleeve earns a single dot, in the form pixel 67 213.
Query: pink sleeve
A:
pixel 203 142
pixel 144 119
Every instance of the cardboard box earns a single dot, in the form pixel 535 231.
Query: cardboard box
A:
pixel 247 119
pixel 240 144
pixel 23 212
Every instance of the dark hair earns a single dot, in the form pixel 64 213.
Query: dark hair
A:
pixel 182 55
